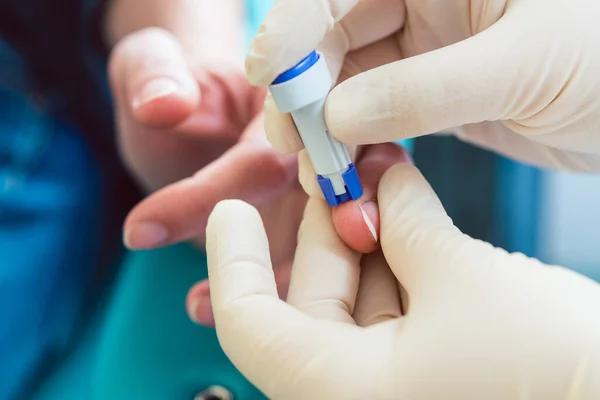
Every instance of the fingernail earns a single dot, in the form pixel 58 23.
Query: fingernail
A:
pixel 200 311
pixel 145 235
pixel 155 89
pixel 367 208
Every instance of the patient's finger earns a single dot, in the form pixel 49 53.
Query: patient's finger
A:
pixel 151 80
pixel 199 306
pixel 357 222
pixel 250 171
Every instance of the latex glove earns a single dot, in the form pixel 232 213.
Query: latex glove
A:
pixel 479 323
pixel 357 224
pixel 516 77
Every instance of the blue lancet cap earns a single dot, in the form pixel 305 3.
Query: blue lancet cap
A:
pixel 352 183
pixel 298 69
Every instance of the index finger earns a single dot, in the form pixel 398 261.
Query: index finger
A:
pixel 250 170
pixel 261 334
pixel 357 222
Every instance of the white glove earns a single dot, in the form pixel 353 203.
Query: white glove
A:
pixel 480 323
pixel 517 77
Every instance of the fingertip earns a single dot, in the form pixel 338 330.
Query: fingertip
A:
pixel 151 78
pixel 257 70
pixel 358 222
pixel 163 103
pixel 200 289
pixel 144 235
pixel 358 225
pixel 199 306
pixel 230 207
pixel 236 228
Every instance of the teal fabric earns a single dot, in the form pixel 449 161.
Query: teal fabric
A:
pixel 72 380
pixel 50 193
pixel 146 347
pixel 150 349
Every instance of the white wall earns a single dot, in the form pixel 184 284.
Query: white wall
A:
pixel 570 221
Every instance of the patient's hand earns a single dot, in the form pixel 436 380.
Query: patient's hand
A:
pixel 357 223
pixel 198 138
pixel 184 118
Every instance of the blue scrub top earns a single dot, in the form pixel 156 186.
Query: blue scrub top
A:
pixel 49 190
pixel 63 191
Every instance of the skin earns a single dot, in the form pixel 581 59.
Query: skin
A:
pixel 191 131
pixel 348 220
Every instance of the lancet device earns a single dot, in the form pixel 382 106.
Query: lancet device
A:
pixel 302 91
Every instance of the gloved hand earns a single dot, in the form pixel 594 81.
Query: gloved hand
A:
pixel 469 322
pixel 517 77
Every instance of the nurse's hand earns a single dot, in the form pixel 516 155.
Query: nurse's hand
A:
pixel 469 320
pixel 517 77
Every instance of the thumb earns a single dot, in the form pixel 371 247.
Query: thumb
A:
pixel 151 80
pixel 418 238
pixel 478 79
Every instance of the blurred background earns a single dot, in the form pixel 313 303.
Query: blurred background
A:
pixel 81 318
pixel 545 214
